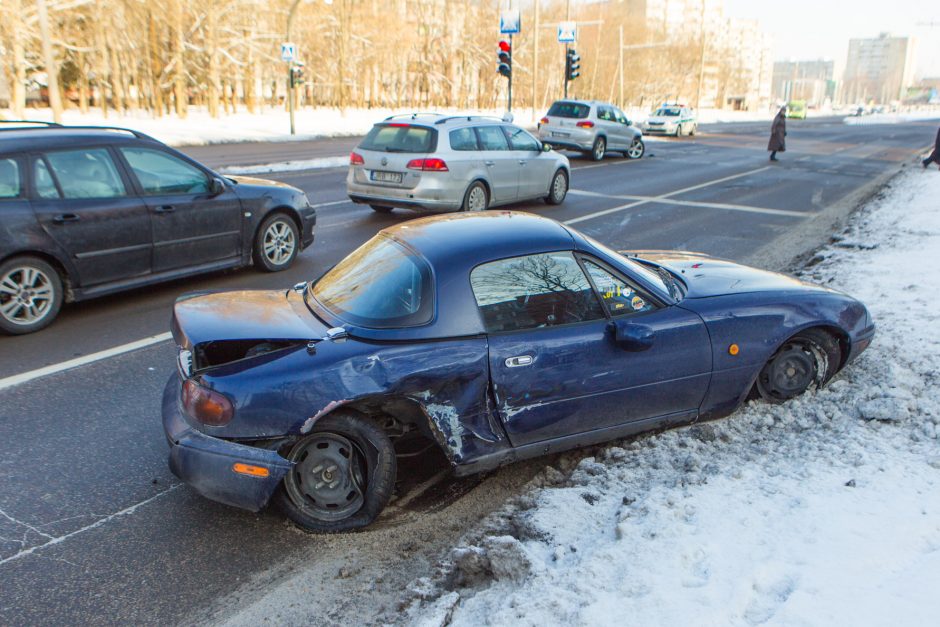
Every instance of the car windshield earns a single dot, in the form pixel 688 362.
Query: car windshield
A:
pixel 667 113
pixel 381 284
pixel 399 138
pixel 651 277
pixel 569 110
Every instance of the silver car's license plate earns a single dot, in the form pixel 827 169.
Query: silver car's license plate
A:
pixel 556 134
pixel 386 177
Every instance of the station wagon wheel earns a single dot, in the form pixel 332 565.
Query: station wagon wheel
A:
pixel 636 149
pixel 599 149
pixel 30 295
pixel 559 189
pixel 805 360
pixel 476 198
pixel 342 477
pixel 276 244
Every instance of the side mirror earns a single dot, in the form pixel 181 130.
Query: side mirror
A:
pixel 546 147
pixel 631 336
pixel 628 123
pixel 216 186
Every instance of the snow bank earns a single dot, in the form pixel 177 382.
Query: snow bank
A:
pixel 891 118
pixel 824 510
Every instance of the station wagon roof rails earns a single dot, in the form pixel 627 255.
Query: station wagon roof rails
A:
pixel 56 126
pixel 469 118
pixel 39 122
pixel 412 116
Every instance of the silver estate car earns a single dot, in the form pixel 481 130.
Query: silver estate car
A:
pixel 592 127
pixel 430 162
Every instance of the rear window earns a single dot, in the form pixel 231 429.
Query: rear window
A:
pixel 400 138
pixel 380 285
pixel 569 110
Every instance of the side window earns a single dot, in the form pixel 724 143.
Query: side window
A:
pixel 87 173
pixel 605 113
pixel 535 291
pixel 42 179
pixel 10 180
pixel 492 138
pixel 463 139
pixel 520 140
pixel 619 296
pixel 621 117
pixel 161 173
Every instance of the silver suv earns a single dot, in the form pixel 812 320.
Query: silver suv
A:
pixel 595 128
pixel 431 162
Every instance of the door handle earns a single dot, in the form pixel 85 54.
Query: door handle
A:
pixel 65 217
pixel 521 360
pixel 489 164
pixel 165 209
pixel 522 162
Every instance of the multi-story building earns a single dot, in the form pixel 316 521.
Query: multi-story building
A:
pixel 879 69
pixel 811 81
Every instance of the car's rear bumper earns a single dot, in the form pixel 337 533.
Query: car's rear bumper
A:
pixel 206 463
pixel 567 137
pixel 308 227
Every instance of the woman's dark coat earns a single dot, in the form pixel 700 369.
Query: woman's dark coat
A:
pixel 778 132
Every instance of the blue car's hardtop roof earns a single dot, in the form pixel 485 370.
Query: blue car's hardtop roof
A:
pixel 462 241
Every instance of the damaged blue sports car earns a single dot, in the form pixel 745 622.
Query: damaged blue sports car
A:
pixel 495 337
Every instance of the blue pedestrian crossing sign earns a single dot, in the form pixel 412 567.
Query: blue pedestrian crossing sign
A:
pixel 288 51
pixel 510 22
pixel 567 32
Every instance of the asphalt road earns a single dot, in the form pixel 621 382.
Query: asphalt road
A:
pixel 94 528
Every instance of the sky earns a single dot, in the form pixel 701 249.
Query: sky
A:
pixel 808 29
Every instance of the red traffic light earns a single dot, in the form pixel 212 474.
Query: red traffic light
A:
pixel 504 46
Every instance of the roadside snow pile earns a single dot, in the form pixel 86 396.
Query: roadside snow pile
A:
pixel 891 118
pixel 824 510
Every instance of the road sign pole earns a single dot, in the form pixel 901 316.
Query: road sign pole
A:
pixel 509 105
pixel 566 70
pixel 290 95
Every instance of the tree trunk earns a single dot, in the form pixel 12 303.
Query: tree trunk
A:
pixel 180 98
pixel 19 59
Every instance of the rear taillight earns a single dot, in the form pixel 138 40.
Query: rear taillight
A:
pixel 356 159
pixel 585 124
pixel 543 120
pixel 205 405
pixel 427 165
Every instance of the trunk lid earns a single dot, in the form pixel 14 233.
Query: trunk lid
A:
pixel 221 327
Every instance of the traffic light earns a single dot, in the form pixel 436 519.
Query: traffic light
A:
pixel 505 58
pixel 572 65
pixel 297 75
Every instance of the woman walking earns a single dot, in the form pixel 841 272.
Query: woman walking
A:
pixel 778 131
pixel 934 157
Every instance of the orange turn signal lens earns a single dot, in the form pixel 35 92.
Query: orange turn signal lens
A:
pixel 733 349
pixel 251 471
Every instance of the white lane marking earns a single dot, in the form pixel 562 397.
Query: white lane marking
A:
pixel 694 203
pixel 419 490
pixel 319 163
pixel 24 377
pixel 94 525
pixel 605 212
pixel 317 205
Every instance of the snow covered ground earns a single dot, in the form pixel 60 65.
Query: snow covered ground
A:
pixel 893 118
pixel 821 511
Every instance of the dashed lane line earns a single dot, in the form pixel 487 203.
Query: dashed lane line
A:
pixel 25 377
pixel 605 212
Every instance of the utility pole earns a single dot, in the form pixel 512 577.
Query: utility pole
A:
pixel 290 65
pixel 52 71
pixel 535 64
pixel 567 19
pixel 701 69
pixel 620 65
